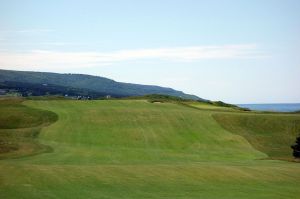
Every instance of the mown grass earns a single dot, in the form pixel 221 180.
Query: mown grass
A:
pixel 215 106
pixel 136 149
pixel 138 131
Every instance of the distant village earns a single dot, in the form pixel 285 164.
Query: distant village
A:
pixel 17 93
pixel 79 97
pixel 29 90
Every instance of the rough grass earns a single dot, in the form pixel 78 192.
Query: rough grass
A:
pixel 19 128
pixel 136 149
pixel 272 134
pixel 208 106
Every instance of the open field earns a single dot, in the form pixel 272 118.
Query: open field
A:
pixel 136 149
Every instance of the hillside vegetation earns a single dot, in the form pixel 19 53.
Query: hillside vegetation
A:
pixel 42 82
pixel 137 149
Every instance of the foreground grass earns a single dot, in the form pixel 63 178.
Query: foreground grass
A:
pixel 137 149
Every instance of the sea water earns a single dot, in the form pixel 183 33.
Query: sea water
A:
pixel 272 107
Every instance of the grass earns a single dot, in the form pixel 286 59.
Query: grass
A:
pixel 207 106
pixel 19 128
pixel 215 106
pixel 136 149
pixel 272 134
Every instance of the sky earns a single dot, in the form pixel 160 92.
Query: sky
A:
pixel 237 51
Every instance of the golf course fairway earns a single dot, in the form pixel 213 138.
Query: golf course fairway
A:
pixel 134 149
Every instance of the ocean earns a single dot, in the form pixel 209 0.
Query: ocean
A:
pixel 272 107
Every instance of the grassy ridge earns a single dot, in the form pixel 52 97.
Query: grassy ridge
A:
pixel 19 128
pixel 139 131
pixel 271 134
pixel 136 149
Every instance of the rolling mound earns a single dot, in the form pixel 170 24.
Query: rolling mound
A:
pixel 136 130
pixel 269 133
pixel 19 128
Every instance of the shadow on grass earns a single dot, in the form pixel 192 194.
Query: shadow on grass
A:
pixel 19 128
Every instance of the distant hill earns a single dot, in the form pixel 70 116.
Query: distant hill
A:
pixel 40 83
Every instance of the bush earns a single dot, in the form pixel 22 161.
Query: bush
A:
pixel 296 148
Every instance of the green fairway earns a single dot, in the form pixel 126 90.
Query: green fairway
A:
pixel 207 106
pixel 136 149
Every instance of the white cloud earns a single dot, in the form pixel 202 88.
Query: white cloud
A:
pixel 37 30
pixel 53 59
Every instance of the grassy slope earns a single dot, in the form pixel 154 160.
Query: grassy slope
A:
pixel 270 133
pixel 19 128
pixel 206 106
pixel 215 106
pixel 136 149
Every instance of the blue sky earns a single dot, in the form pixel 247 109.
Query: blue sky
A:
pixel 234 51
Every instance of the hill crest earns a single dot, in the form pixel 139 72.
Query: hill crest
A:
pixel 91 83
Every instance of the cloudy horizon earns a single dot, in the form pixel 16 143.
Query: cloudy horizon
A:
pixel 237 52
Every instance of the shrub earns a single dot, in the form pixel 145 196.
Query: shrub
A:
pixel 296 148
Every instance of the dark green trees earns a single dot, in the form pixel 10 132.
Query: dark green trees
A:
pixel 296 148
